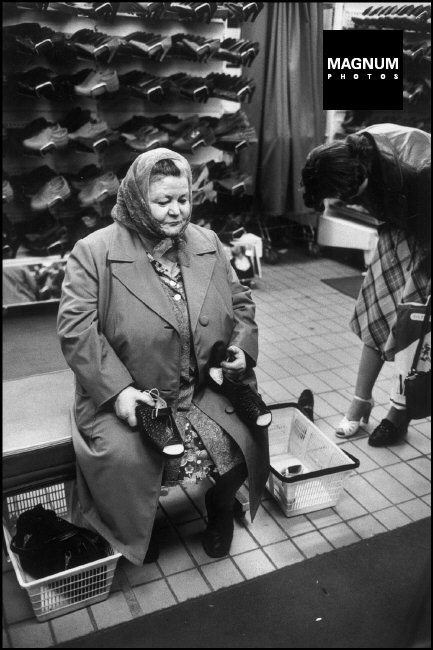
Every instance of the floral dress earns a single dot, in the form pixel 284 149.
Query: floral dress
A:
pixel 208 448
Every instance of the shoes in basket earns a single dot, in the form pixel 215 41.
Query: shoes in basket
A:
pixel 248 404
pixel 158 427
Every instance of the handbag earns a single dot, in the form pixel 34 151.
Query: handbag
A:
pixel 47 544
pixel 417 384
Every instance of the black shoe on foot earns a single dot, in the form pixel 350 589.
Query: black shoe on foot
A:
pixel 218 535
pixel 386 433
pixel 306 403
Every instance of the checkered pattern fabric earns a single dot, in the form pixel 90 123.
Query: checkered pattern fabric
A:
pixel 391 278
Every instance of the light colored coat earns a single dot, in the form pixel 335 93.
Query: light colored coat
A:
pixel 117 326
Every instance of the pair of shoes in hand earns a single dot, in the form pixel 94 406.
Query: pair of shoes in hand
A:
pixel 248 404
pixel 158 427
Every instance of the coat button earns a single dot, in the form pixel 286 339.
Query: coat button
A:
pixel 204 320
pixel 229 409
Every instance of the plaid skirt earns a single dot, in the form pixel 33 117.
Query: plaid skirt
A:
pixel 391 278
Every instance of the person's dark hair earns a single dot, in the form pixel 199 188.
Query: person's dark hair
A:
pixel 165 167
pixel 334 170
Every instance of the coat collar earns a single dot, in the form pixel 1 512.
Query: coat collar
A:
pixel 132 267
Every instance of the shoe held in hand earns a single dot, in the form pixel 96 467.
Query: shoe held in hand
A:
pixel 158 427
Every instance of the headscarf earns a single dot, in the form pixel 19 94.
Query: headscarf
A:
pixel 132 208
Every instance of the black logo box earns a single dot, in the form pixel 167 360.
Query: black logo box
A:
pixel 349 48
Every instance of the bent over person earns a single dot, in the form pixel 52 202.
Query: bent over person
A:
pixel 143 302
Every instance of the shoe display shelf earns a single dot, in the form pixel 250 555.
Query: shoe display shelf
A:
pixel 349 226
pixel 46 153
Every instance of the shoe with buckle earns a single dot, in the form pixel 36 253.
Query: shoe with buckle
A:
pixel 348 428
pixel 57 189
pixel 387 433
pixel 198 136
pixel 158 427
pixel 218 535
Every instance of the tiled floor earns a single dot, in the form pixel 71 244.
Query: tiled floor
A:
pixel 304 342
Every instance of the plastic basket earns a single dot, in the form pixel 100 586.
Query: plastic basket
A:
pixel 66 591
pixel 294 439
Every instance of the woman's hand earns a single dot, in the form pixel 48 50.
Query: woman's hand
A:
pixel 236 368
pixel 126 401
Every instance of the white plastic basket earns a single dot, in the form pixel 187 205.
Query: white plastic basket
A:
pixel 295 440
pixel 66 591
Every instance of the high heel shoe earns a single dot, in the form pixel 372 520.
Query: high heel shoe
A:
pixel 348 428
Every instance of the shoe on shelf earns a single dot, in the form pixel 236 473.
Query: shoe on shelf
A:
pixel 146 138
pixel 98 82
pixel 98 189
pixel 387 433
pixel 52 136
pixel 306 403
pixel 57 189
pixel 348 428
pixel 158 427
pixel 218 535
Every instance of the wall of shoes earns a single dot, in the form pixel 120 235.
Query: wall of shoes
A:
pixel 415 21
pixel 87 87
pixel 351 226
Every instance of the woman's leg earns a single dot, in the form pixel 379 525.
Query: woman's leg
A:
pixel 359 410
pixel 370 366
pixel 220 501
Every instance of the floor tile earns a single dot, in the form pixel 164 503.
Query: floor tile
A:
pixel 72 625
pixel 173 557
pixel 223 573
pixel 192 535
pixel 254 563
pixel 31 634
pixel 178 507
pixel 296 525
pixel 16 602
pixel 381 455
pixel 242 540
pixel 138 575
pixel 264 528
pixel 112 611
pixel 384 481
pixel 323 518
pixel 418 440
pixel 367 526
pixel 392 518
pixel 340 535
pixel 312 544
pixel 416 509
pixel 188 584
pixel 407 474
pixel 154 596
pixel 367 495
pixel 283 553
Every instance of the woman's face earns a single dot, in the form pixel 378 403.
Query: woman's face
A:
pixel 169 203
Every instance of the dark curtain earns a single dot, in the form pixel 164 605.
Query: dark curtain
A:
pixel 287 109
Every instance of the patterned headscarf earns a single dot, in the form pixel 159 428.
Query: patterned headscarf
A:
pixel 132 208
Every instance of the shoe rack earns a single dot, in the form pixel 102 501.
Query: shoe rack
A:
pixel 351 226
pixel 415 21
pixel 115 108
